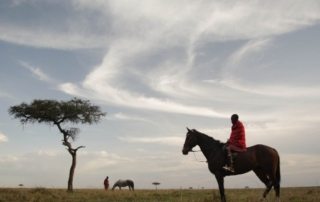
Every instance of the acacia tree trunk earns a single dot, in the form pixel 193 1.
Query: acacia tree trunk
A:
pixel 71 172
pixel 72 152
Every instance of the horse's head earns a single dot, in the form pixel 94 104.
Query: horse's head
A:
pixel 190 142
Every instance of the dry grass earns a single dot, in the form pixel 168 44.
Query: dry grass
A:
pixel 310 194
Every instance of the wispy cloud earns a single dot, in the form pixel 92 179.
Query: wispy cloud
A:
pixel 195 21
pixel 296 169
pixel 48 153
pixel 124 98
pixel 172 141
pixel 100 160
pixel 36 71
pixel 170 81
pixel 3 137
pixel 128 117
pixel 48 38
pixel 276 90
pixel 5 94
pixel 252 46
pixel 8 159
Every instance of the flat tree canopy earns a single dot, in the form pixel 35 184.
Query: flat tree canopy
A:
pixel 56 112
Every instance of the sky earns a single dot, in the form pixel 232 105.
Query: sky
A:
pixel 156 67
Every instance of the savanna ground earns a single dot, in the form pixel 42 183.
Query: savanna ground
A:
pixel 306 194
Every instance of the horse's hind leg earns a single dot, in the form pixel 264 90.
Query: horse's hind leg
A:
pixel 265 179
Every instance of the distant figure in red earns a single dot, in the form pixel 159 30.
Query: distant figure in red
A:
pixel 236 142
pixel 106 183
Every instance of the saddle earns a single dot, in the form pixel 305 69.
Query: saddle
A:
pixel 234 154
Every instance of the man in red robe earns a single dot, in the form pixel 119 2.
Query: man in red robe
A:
pixel 236 142
pixel 106 183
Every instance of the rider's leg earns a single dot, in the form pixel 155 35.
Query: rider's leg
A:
pixel 229 166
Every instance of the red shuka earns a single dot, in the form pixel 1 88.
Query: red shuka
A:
pixel 238 136
pixel 106 184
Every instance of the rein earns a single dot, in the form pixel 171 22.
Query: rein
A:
pixel 195 156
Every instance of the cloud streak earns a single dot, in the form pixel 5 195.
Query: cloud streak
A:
pixel 3 137
pixel 171 141
pixel 128 117
pixel 284 91
pixel 252 46
pixel 175 79
pixel 36 71
pixel 100 160
pixel 195 21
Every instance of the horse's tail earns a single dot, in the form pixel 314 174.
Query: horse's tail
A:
pixel 278 175
pixel 278 178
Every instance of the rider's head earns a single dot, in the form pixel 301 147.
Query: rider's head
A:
pixel 234 118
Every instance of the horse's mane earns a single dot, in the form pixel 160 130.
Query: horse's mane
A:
pixel 209 139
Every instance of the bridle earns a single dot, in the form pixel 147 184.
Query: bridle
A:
pixel 212 150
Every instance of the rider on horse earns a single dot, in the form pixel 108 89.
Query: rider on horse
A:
pixel 236 142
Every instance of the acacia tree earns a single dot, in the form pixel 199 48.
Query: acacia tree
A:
pixel 59 113
pixel 156 184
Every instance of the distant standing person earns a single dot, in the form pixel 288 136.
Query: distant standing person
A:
pixel 106 183
pixel 236 142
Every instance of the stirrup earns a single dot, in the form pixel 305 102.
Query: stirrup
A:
pixel 228 168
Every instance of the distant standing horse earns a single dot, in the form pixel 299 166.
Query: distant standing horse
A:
pixel 124 183
pixel 263 160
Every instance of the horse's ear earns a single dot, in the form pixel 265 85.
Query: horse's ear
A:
pixel 188 129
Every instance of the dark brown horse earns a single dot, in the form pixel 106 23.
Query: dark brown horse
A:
pixel 264 161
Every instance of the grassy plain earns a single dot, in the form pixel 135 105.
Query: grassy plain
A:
pixel 306 194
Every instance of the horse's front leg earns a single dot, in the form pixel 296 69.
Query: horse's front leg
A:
pixel 220 180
